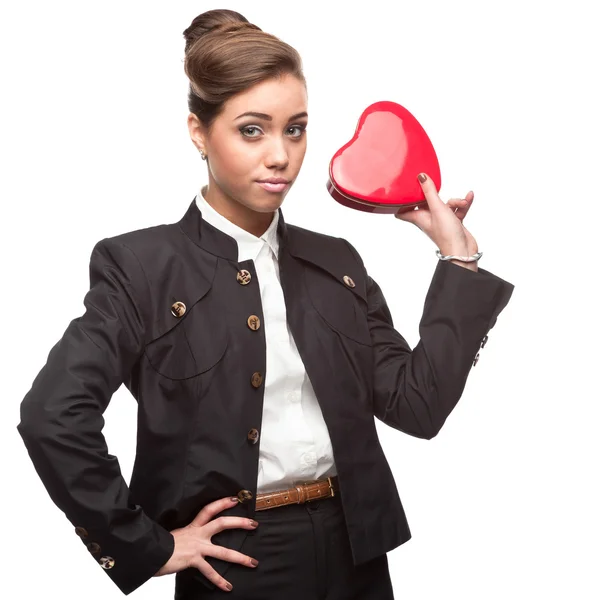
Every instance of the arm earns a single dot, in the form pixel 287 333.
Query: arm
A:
pixel 415 390
pixel 62 419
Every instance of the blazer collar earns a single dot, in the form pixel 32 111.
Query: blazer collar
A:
pixel 297 242
pixel 215 241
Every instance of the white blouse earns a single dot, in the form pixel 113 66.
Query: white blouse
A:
pixel 294 441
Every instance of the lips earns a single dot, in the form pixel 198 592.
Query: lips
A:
pixel 274 187
pixel 273 180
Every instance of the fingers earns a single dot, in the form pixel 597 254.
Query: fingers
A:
pixel 434 202
pixel 406 214
pixel 221 523
pixel 213 576
pixel 461 206
pixel 404 209
pixel 212 509
pixel 434 205
pixel 412 214
pixel 231 556
pixel 226 554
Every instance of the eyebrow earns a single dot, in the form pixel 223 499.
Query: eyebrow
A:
pixel 266 117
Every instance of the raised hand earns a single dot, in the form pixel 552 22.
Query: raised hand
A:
pixel 442 222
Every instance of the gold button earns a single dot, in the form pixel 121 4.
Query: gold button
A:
pixel 256 380
pixel 476 359
pixel 484 341
pixel 244 277
pixel 107 562
pixel 253 436
pixel 178 309
pixel 348 281
pixel 244 495
pixel 81 532
pixel 253 322
pixel 93 547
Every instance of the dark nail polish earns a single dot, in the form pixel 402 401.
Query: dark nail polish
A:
pixel 422 177
pixel 254 523
pixel 233 498
pixel 254 562
pixel 228 586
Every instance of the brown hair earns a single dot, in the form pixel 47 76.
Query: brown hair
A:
pixel 225 54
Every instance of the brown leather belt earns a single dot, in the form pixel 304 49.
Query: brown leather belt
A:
pixel 299 494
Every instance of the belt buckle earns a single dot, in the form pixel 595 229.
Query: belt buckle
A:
pixel 304 483
pixel 331 487
pixel 300 485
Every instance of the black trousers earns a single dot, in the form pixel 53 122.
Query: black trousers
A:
pixel 304 554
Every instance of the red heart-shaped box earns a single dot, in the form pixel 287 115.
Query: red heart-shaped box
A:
pixel 376 171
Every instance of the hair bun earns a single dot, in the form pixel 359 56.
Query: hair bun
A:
pixel 216 21
pixel 233 27
pixel 234 55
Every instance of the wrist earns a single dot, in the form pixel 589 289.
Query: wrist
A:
pixel 467 265
pixel 456 251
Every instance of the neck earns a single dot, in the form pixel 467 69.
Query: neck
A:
pixel 250 220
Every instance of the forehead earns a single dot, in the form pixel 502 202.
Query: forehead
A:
pixel 280 98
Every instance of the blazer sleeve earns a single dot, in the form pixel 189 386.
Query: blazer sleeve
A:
pixel 61 421
pixel 414 390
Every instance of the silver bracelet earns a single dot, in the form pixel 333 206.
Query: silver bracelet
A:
pixel 473 258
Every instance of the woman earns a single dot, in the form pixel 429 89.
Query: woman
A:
pixel 259 354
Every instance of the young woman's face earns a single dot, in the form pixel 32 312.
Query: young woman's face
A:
pixel 259 135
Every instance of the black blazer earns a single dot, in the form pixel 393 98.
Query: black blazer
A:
pixel 197 374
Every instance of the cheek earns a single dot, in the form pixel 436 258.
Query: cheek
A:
pixel 297 153
pixel 234 164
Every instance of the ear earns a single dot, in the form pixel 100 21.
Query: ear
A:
pixel 197 133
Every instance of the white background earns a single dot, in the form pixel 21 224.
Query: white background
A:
pixel 503 503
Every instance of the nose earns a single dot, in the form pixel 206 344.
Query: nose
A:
pixel 277 155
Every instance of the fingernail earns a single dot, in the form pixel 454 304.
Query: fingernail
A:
pixel 254 562
pixel 233 498
pixel 254 523
pixel 228 586
pixel 422 177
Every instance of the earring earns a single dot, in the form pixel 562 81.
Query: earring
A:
pixel 202 155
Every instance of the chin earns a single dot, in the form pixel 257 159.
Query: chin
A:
pixel 267 207
pixel 268 203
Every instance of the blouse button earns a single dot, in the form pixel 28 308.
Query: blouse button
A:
pixel 348 281
pixel 81 532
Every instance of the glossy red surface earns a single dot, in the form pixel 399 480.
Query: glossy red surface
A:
pixel 376 171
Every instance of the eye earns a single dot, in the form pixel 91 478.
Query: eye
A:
pixel 249 131
pixel 300 130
